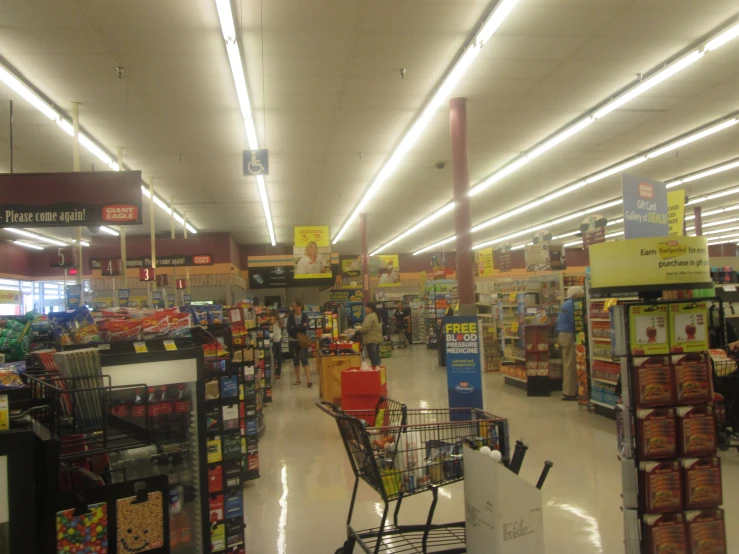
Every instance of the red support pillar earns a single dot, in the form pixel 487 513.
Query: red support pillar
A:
pixel 364 256
pixel 698 221
pixel 462 215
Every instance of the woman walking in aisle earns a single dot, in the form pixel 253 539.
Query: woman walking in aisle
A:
pixel 371 330
pixel 297 328
pixel 566 329
pixel 276 338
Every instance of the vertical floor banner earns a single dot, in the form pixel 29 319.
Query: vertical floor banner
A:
pixel 463 361
pixel 74 296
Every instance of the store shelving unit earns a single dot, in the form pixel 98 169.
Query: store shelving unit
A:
pixel 315 327
pixel 440 296
pixel 418 322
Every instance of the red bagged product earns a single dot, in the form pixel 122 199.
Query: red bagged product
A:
pixel 706 532
pixel 662 487
pixel 155 325
pixel 115 330
pixel 702 482
pixel 665 534
pixel 179 324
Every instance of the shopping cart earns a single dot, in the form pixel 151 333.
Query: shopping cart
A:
pixel 726 401
pixel 407 452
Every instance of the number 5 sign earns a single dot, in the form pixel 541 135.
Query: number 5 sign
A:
pixel 147 274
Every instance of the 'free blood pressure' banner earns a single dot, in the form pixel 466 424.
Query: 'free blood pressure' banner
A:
pixel 463 363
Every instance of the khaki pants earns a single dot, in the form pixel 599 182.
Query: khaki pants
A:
pixel 569 366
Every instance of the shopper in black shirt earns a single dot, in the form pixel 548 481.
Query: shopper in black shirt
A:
pixel 403 323
pixel 297 322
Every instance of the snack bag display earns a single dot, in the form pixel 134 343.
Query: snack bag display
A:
pixel 698 435
pixel 654 382
pixel 76 327
pixel 658 434
pixel 661 485
pixel 140 525
pixel 692 378
pixel 10 375
pixel 215 314
pixel 706 532
pixel 665 534
pixel 179 325
pixel 79 534
pixel 200 315
pixel 702 482
pixel 115 330
pixel 648 330
pixel 688 327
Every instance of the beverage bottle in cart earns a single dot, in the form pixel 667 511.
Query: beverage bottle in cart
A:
pixel 184 530
pixel 165 409
pixel 181 416
pixel 154 410
pixel 138 410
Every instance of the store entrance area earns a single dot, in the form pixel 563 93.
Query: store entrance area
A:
pixel 303 495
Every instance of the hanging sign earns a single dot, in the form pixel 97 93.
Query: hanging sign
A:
pixel 350 268
pixel 312 253
pixel 645 208
pixel 187 299
pixel 181 284
pixel 162 280
pixel 123 295
pixel 346 295
pixel 463 362
pixel 484 262
pixel 171 302
pixel 147 274
pixel 64 257
pixel 676 212
pixel 74 296
pixel 652 262
pixel 537 257
pixel 176 260
pixel 70 199
pixel 10 297
pixel 256 162
pixel 505 262
pixel 157 299
pixel 386 269
pixel 112 267
pixel 593 236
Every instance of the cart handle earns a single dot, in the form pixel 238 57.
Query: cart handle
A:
pixel 331 409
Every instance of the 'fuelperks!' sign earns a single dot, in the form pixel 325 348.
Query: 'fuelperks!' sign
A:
pixel 463 363
pixel 70 199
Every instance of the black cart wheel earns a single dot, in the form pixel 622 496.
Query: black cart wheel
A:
pixel 348 547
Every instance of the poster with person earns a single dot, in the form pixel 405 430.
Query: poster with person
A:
pixel 387 270
pixel 312 252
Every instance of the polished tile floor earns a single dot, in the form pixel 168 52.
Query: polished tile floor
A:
pixel 300 503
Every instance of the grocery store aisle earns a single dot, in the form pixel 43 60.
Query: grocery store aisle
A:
pixel 300 503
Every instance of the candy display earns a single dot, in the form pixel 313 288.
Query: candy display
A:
pixel 84 533
pixel 140 525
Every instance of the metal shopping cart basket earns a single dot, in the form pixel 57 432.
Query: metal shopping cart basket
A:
pixel 726 401
pixel 401 452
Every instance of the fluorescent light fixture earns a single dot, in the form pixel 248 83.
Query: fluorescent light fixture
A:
pixel 228 29
pixel 724 237
pixel 714 212
pixel 554 141
pixel 565 235
pixel 702 174
pixel 434 216
pixel 27 245
pixel 615 221
pixel 722 39
pixel 191 229
pixel 613 235
pixel 435 245
pixel 649 83
pixel 713 196
pixel 108 230
pixel 84 243
pixel 492 23
pixel 521 246
pixel 162 204
pixel 36 236
pixel 692 138
pixel 575 243
pixel 719 231
pixel 145 191
pixel 715 223
pixel 617 169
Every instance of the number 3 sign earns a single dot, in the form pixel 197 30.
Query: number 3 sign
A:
pixel 147 274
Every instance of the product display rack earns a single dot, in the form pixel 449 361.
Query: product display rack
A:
pixel 285 344
pixel 667 433
pixel 261 340
pixel 315 327
pixel 419 333
pixel 440 296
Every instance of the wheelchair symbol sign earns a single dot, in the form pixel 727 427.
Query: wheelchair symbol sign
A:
pixel 256 162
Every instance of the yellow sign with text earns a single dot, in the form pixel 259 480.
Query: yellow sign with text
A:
pixel 650 261
pixel 388 272
pixel 10 297
pixel 676 212
pixel 484 262
pixel 312 252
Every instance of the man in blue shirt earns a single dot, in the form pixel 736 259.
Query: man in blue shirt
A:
pixel 566 330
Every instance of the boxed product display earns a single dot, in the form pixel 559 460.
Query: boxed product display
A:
pixel 649 330
pixel 702 482
pixel 706 532
pixel 665 534
pixel 658 432
pixel 692 378
pixel 661 486
pixel 689 327
pixel 654 382
pixel 697 431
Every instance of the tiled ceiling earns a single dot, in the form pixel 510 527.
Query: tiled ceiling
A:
pixel 330 102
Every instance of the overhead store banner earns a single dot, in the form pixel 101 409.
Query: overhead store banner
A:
pixel 593 236
pixel 177 260
pixel 351 268
pixel 645 207
pixel 537 257
pixel 10 297
pixel 463 362
pixel 386 269
pixel 278 271
pixel 70 199
pixel 312 253
pixel 346 295
pixel 676 212
pixel 484 265
pixel 652 262
pixel 504 260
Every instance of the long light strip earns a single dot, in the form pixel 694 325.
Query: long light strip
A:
pixel 705 173
pixel 715 223
pixel 609 171
pixel 713 196
pixel 436 215
pixel 435 245
pixel 637 89
pixel 86 140
pixel 108 230
pixel 491 24
pixel 714 212
pixel 36 236
pixel 228 28
pixel 28 245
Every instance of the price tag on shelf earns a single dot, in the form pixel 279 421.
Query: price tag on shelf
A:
pixel 730 288
pixel 514 327
pixel 512 298
pixel 104 346
pixel 169 345
pixel 140 347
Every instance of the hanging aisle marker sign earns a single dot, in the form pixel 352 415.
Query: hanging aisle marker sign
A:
pixel 256 162
pixel 123 295
pixel 71 199
pixel 147 274
pixel 676 212
pixel 463 363
pixel 312 253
